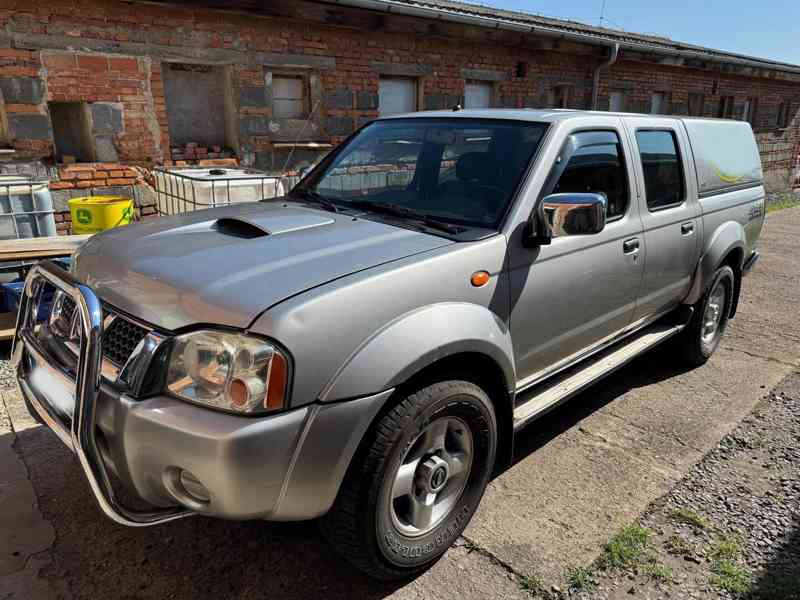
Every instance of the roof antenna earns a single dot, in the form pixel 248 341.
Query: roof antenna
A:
pixel 457 108
pixel 602 12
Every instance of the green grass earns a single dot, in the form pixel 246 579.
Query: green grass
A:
pixel 627 549
pixel 689 517
pixel 787 201
pixel 580 579
pixel 731 577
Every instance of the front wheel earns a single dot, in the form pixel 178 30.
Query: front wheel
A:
pixel 417 480
pixel 710 319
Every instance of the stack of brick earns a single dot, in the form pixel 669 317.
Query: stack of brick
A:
pixel 194 151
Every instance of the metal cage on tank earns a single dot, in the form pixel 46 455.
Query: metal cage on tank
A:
pixel 26 207
pixel 187 189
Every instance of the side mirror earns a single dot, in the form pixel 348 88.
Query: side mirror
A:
pixel 567 214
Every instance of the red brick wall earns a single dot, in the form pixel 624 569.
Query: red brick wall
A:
pixel 135 82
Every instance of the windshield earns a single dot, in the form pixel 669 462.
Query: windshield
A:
pixel 453 170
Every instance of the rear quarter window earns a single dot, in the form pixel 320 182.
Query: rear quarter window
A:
pixel 725 153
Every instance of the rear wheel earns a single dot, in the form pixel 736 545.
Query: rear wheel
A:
pixel 710 319
pixel 416 481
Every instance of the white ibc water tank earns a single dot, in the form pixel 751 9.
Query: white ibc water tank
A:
pixel 26 208
pixel 187 189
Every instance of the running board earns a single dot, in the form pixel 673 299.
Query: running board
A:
pixel 563 386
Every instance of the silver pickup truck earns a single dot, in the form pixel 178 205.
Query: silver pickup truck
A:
pixel 366 349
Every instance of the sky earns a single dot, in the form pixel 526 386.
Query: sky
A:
pixel 761 28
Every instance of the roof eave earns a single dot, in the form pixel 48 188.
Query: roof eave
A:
pixel 430 12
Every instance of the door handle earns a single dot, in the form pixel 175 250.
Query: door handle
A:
pixel 687 228
pixel 630 246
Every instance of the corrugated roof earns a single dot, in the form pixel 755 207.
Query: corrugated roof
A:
pixel 644 42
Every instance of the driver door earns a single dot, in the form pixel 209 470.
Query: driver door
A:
pixel 575 293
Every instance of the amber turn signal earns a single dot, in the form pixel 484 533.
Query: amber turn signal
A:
pixel 479 278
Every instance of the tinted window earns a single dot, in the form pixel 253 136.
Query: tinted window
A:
pixel 457 170
pixel 661 163
pixel 597 166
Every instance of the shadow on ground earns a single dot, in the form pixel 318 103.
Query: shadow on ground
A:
pixel 780 580
pixel 206 558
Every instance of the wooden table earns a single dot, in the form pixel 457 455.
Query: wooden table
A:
pixel 33 249
pixel 39 248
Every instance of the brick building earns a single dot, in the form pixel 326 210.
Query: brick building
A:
pixel 111 85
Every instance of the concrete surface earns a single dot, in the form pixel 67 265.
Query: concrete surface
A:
pixel 580 473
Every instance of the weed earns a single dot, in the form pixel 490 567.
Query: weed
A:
pixel 689 517
pixel 727 548
pixel 626 549
pixel 534 586
pixel 579 579
pixel 678 546
pixel 471 546
pixel 731 577
pixel 657 571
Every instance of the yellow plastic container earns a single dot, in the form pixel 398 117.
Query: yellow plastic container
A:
pixel 91 214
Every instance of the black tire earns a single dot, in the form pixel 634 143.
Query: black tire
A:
pixel 362 524
pixel 696 349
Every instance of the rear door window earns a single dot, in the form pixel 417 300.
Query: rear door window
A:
pixel 661 164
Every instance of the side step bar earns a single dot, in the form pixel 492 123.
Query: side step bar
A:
pixel 549 394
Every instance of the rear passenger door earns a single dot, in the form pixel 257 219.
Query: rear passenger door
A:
pixel 669 210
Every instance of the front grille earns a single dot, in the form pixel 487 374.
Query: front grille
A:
pixel 67 308
pixel 121 339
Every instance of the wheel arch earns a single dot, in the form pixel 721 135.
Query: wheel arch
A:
pixel 440 340
pixel 726 246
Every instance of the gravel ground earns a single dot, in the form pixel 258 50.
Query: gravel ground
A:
pixel 730 529
pixel 7 379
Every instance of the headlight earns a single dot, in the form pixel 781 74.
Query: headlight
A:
pixel 230 371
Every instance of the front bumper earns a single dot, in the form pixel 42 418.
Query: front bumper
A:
pixel 180 458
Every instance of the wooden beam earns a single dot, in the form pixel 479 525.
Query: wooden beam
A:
pixel 42 247
pixel 8 324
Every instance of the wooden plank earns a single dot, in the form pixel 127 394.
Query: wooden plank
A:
pixel 42 247
pixel 8 324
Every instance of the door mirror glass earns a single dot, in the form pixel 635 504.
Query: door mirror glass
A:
pixel 574 214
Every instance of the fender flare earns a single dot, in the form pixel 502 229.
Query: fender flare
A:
pixel 728 237
pixel 416 340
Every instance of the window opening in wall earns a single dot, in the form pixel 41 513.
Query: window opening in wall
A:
pixel 616 102
pixel 783 115
pixel 477 94
pixel 5 138
pixel 397 95
pixel 658 103
pixel 560 96
pixel 696 102
pixel 289 97
pixel 196 106
pixel 72 131
pixel 751 110
pixel 725 107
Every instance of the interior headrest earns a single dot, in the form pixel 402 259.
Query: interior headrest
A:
pixel 471 166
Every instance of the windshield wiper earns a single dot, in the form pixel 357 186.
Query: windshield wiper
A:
pixel 397 210
pixel 317 198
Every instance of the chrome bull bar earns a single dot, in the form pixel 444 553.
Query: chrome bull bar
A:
pixel 79 432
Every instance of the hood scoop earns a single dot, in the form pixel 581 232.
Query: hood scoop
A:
pixel 255 226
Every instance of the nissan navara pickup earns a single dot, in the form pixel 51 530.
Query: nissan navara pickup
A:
pixel 365 349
